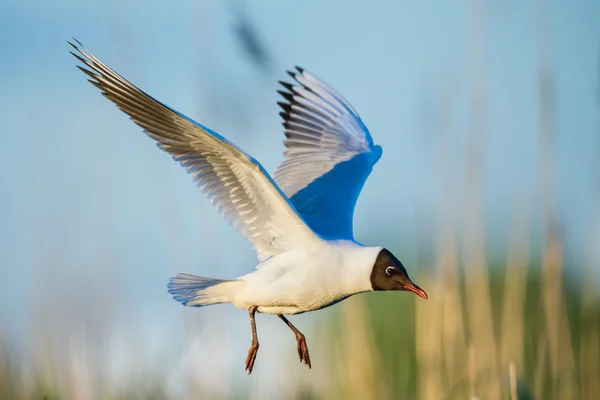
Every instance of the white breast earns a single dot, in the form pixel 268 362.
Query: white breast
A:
pixel 304 280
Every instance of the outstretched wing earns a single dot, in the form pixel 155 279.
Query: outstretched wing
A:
pixel 235 183
pixel 329 155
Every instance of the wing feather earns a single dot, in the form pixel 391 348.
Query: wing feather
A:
pixel 329 155
pixel 233 181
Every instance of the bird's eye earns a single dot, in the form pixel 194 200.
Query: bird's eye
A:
pixel 389 270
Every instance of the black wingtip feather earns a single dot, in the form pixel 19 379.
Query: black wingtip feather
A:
pixel 300 69
pixel 286 107
pixel 286 85
pixel 81 59
pixel 286 95
pixel 78 48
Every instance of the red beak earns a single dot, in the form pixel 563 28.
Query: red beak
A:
pixel 416 290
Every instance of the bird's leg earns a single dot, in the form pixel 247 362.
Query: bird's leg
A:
pixel 302 347
pixel 254 348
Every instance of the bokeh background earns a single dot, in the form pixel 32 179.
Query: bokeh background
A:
pixel 488 190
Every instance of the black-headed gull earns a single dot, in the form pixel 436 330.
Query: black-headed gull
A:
pixel 299 221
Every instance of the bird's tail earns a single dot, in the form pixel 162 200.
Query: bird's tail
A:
pixel 196 291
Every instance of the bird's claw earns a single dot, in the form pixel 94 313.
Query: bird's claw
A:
pixel 303 350
pixel 251 357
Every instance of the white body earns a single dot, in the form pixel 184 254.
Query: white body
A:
pixel 303 280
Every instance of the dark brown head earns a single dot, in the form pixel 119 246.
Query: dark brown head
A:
pixel 389 274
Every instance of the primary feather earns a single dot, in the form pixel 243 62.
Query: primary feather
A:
pixel 329 155
pixel 236 184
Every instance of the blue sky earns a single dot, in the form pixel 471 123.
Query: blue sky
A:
pixel 92 210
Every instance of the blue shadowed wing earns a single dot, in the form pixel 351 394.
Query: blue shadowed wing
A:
pixel 329 155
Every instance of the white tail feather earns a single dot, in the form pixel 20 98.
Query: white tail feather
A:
pixel 197 291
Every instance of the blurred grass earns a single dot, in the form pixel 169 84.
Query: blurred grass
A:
pixel 534 327
pixel 385 345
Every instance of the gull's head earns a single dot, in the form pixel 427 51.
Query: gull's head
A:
pixel 389 274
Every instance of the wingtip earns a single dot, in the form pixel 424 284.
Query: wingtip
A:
pixel 286 107
pixel 80 48
pixel 300 69
pixel 76 41
pixel 87 72
pixel 286 95
pixel 287 85
pixel 77 56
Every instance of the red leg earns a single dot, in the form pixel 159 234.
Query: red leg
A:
pixel 254 347
pixel 301 342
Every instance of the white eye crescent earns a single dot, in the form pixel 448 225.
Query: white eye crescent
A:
pixel 389 270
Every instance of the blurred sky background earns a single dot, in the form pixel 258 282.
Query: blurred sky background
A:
pixel 94 219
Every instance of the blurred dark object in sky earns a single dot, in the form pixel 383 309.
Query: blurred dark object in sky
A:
pixel 248 37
